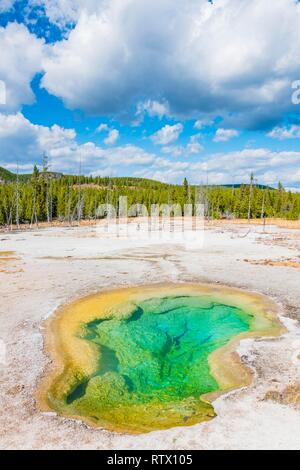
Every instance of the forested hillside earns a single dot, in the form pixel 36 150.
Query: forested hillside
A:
pixel 5 175
pixel 46 196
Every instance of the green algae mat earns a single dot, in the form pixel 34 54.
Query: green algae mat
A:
pixel 138 360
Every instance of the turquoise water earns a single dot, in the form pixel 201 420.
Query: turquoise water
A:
pixel 158 357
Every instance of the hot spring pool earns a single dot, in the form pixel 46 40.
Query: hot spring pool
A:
pixel 137 360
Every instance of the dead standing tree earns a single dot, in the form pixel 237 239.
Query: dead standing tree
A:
pixel 80 200
pixel 250 196
pixel 35 179
pixel 48 187
pixel 18 199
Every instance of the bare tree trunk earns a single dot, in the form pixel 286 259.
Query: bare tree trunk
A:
pixel 79 196
pixel 51 202
pixel 34 213
pixel 17 200
pixel 46 176
pixel 250 196
pixel 263 209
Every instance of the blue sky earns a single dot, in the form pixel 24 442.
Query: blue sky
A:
pixel 154 89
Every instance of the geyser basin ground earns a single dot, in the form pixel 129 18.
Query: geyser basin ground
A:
pixel 141 359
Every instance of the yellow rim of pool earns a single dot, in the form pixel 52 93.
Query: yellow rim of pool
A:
pixel 144 358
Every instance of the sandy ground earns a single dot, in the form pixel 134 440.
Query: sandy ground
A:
pixel 53 266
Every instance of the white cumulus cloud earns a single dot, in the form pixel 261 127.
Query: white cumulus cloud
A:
pixel 21 59
pixel 102 127
pixel 167 134
pixel 5 5
pixel 64 13
pixel 24 142
pixel 201 123
pixel 201 58
pixel 282 133
pixel 192 148
pixel 223 135
pixel 232 167
pixel 152 109
pixel 113 136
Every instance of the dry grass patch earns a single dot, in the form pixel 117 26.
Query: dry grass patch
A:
pixel 285 263
pixel 289 396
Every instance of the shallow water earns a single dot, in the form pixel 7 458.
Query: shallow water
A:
pixel 153 365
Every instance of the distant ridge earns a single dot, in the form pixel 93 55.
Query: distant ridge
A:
pixel 238 186
pixel 7 176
